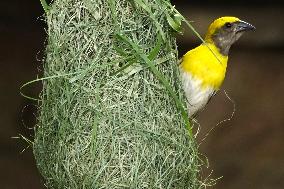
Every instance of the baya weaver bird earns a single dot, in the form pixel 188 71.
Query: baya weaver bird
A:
pixel 203 68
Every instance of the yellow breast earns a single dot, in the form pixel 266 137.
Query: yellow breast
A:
pixel 206 63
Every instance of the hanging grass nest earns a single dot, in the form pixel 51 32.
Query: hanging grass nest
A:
pixel 110 111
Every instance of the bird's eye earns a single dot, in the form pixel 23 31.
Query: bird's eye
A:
pixel 228 25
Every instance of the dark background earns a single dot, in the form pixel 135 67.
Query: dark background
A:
pixel 247 151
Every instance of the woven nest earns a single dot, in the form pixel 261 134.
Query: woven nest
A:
pixel 108 111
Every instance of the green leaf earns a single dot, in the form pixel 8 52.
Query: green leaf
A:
pixel 162 79
pixel 124 67
pixel 175 23
pixel 45 6
pixel 154 53
pixel 178 18
pixel 120 51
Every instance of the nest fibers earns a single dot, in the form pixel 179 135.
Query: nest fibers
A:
pixel 108 118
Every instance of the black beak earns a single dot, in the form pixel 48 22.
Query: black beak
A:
pixel 244 26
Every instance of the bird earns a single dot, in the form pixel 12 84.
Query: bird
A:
pixel 203 68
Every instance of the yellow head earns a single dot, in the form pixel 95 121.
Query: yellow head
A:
pixel 224 31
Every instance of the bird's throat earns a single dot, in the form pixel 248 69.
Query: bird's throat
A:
pixel 222 45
